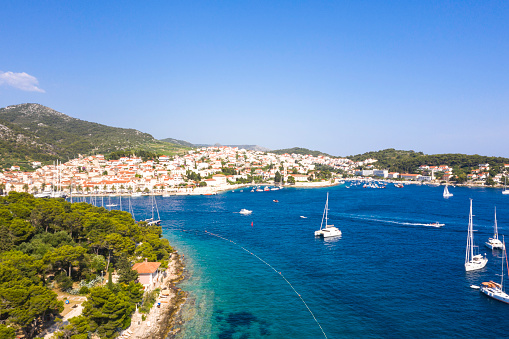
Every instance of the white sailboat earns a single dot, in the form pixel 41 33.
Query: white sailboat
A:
pixel 326 230
pixel 472 262
pixel 494 290
pixel 505 191
pixel 447 194
pixel 495 243
pixel 153 221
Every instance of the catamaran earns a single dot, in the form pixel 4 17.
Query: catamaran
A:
pixel 495 243
pixel 494 290
pixel 327 230
pixel 447 194
pixel 472 262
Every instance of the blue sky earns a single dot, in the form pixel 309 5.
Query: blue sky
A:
pixel 340 77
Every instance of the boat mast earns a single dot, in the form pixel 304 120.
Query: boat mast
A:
pixel 324 215
pixel 469 253
pixel 502 277
pixel 327 210
pixel 496 229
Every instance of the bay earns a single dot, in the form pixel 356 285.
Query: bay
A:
pixel 388 276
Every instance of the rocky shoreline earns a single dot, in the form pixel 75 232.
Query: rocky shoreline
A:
pixel 163 321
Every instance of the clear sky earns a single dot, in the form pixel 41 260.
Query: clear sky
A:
pixel 343 77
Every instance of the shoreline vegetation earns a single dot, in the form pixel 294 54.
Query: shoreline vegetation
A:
pixel 52 251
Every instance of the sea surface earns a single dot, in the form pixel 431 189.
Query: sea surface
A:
pixel 389 275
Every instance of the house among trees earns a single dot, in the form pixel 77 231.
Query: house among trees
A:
pixel 147 273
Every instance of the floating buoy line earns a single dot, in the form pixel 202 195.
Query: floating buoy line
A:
pixel 266 263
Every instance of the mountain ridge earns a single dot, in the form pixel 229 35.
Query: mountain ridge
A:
pixel 33 132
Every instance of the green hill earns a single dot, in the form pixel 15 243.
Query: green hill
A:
pixel 409 161
pixel 32 132
pixel 178 142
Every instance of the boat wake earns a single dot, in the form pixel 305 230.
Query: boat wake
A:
pixel 404 223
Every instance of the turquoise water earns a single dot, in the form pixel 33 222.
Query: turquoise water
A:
pixel 387 276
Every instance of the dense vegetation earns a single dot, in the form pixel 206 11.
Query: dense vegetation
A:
pixel 299 150
pixel 49 244
pixel 408 161
pixel 32 132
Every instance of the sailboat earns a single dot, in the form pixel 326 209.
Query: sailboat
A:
pixel 153 221
pixel 495 243
pixel 505 191
pixel 326 230
pixel 494 290
pixel 447 194
pixel 472 262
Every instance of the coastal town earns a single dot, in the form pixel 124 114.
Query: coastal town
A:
pixel 208 170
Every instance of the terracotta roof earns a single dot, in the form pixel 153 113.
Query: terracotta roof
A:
pixel 146 267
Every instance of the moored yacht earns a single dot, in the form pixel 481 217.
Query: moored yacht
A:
pixel 326 230
pixel 472 262
pixel 494 290
pixel 495 243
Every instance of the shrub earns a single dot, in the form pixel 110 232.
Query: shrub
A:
pixel 84 290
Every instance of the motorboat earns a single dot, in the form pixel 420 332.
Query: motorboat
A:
pixel 245 212
pixel 435 224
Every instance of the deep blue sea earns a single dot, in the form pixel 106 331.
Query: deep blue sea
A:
pixel 388 276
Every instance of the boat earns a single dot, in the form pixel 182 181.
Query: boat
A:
pixel 327 230
pixel 435 224
pixel 303 217
pixel 136 194
pixel 495 290
pixel 472 262
pixel 153 221
pixel 495 243
pixel 275 200
pixel 505 191
pixel 447 194
pixel 245 212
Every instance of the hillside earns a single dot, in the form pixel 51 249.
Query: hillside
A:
pixel 409 161
pixel 178 142
pixel 300 150
pixel 247 147
pixel 31 132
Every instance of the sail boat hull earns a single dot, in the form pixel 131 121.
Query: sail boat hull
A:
pixel 476 263
pixel 495 293
pixel 328 232
pixel 495 244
